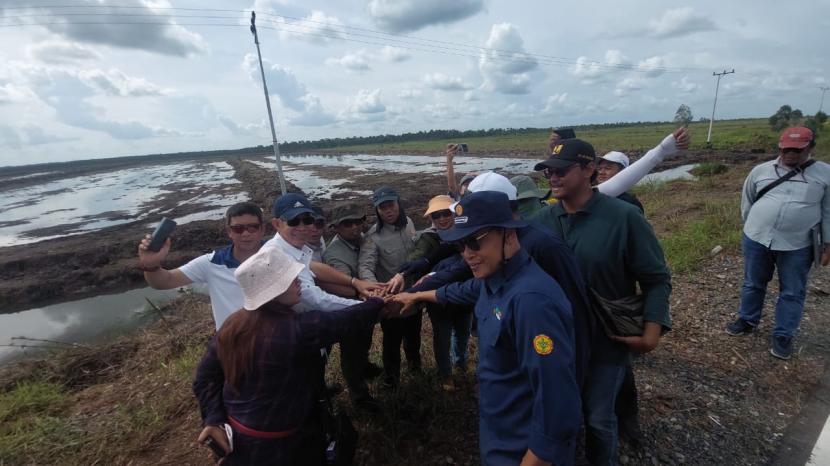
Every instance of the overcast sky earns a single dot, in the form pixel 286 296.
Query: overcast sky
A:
pixel 362 67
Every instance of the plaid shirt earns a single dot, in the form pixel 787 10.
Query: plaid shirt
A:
pixel 282 390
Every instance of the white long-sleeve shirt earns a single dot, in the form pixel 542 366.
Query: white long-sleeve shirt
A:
pixel 312 297
pixel 631 175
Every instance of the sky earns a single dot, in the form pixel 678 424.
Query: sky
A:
pixel 86 82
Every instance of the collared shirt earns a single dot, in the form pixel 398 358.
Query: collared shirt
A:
pixel 616 249
pixel 783 218
pixel 342 255
pixel 281 391
pixel 312 296
pixel 317 251
pixel 384 250
pixel 529 397
pixel 216 271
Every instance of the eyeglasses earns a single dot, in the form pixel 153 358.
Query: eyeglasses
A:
pixel 440 214
pixel 559 172
pixel 792 150
pixel 250 228
pixel 471 242
pixel 352 222
pixel 306 219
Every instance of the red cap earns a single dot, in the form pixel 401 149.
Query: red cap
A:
pixel 797 137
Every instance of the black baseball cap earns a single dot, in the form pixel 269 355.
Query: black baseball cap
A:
pixel 567 153
pixel 383 194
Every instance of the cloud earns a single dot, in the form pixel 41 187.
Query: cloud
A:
pixel 628 85
pixel 240 130
pixel 293 94
pixel 353 61
pixel 35 136
pixel 680 22
pixel 592 71
pixel 409 93
pixel 316 28
pixel 443 82
pixel 506 72
pixel 115 83
pixel 167 37
pixel 9 137
pixel 685 85
pixel 391 54
pixel 652 67
pixel 61 53
pixel 555 102
pixel 411 15
pixel 13 93
pixel 614 57
pixel 470 96
pixel 364 107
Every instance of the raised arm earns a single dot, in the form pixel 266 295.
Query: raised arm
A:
pixel 156 276
pixel 450 152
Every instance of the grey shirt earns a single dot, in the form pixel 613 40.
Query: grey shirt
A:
pixel 783 218
pixel 342 255
pixel 384 251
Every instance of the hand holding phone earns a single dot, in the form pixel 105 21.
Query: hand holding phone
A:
pixel 163 231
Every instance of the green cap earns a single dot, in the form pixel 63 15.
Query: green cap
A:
pixel 526 187
pixel 351 211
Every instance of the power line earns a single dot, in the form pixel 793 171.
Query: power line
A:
pixel 399 41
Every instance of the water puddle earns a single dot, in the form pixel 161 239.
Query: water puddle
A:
pixel 677 173
pixel 91 320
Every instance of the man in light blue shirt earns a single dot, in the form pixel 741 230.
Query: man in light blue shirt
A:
pixel 779 230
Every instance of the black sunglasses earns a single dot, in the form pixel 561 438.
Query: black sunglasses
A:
pixel 352 222
pixel 471 242
pixel 440 214
pixel 792 150
pixel 306 219
pixel 250 228
pixel 559 172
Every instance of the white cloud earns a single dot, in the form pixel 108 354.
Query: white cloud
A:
pixel 411 15
pixel 240 130
pixel 314 114
pixel 14 93
pixel 443 82
pixel 506 72
pixel 470 96
pixel 353 61
pixel 614 57
pixel 391 54
pixel 114 82
pixel 555 102
pixel 652 67
pixel 686 85
pixel 60 52
pixel 164 37
pixel 410 93
pixel 316 28
pixel 367 102
pixel 680 22
pixel 628 85
pixel 586 69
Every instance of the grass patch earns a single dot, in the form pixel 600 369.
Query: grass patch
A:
pixel 709 169
pixel 648 187
pixel 691 244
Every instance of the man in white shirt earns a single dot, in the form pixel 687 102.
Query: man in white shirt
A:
pixel 293 220
pixel 245 228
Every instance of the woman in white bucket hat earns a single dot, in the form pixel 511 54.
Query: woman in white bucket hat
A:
pixel 260 378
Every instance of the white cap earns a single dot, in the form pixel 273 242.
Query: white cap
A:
pixel 266 275
pixel 490 181
pixel 616 157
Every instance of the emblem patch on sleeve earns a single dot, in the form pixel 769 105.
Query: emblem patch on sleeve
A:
pixel 543 344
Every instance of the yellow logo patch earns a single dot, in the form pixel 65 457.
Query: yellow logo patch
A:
pixel 458 209
pixel 557 149
pixel 543 344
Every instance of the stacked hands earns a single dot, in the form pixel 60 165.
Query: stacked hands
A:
pixel 396 303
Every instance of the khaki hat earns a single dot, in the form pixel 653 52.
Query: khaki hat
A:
pixel 266 275
pixel 441 202
pixel 351 211
pixel 526 188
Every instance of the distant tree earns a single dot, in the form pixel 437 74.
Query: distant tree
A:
pixel 683 115
pixel 703 120
pixel 784 117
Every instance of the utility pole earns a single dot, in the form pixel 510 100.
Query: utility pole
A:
pixel 712 120
pixel 268 105
pixel 823 90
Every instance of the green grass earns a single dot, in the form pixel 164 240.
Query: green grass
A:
pixel 709 169
pixel 690 245
pixel 745 134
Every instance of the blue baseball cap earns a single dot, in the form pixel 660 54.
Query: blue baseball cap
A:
pixel 383 194
pixel 291 205
pixel 479 210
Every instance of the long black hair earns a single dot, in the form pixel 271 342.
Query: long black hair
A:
pixel 400 222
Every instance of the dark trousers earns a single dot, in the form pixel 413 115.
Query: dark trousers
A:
pixel 627 405
pixel 396 331
pixel 354 357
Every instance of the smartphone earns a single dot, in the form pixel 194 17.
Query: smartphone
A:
pixel 218 451
pixel 163 230
pixel 462 147
pixel 566 133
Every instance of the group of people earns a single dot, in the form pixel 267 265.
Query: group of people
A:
pixel 562 286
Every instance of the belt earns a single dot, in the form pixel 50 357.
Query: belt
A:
pixel 241 428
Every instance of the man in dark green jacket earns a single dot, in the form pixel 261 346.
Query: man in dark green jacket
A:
pixel 617 250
